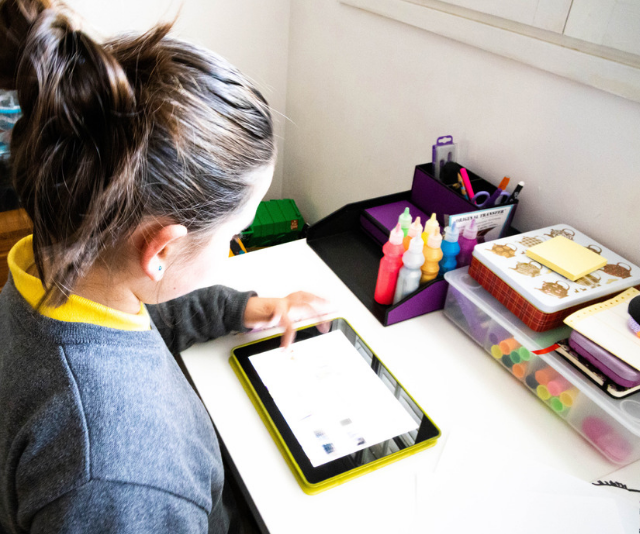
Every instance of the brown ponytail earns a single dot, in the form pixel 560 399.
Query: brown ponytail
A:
pixel 141 126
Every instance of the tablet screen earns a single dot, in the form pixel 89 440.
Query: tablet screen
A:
pixel 336 406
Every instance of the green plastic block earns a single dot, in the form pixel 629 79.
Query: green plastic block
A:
pixel 276 221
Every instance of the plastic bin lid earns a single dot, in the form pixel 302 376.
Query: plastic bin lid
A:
pixel 547 290
pixel 625 411
pixel 471 289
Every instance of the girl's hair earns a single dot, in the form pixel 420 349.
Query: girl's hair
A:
pixel 141 126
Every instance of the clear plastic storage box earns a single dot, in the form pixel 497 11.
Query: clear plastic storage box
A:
pixel 611 425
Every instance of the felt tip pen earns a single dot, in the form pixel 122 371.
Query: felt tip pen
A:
pixel 516 192
pixel 467 183
pixel 497 195
pixel 462 189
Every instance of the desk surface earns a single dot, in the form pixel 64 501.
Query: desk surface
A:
pixel 446 372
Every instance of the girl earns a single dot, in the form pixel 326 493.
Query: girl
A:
pixel 137 161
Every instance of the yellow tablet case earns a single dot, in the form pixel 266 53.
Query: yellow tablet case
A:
pixel 308 487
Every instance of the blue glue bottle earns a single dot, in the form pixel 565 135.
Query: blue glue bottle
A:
pixel 468 240
pixel 410 273
pixel 450 249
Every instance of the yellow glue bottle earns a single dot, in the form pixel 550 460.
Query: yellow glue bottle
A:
pixel 414 231
pixel 432 255
pixel 430 226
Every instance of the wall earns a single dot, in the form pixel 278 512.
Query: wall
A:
pixel 252 34
pixel 368 96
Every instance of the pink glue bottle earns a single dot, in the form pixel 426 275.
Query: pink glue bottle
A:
pixel 390 266
pixel 467 241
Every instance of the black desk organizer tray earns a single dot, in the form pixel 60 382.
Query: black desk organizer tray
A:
pixel 350 241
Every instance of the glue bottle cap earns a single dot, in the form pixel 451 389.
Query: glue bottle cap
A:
pixel 396 236
pixel 435 240
pixel 416 244
pixel 405 218
pixel 451 233
pixel 415 229
pixel 431 224
pixel 471 230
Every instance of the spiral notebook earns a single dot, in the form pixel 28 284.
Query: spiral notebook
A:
pixel 606 324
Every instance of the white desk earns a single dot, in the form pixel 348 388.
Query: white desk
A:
pixel 456 383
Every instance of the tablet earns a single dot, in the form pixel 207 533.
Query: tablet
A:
pixel 332 407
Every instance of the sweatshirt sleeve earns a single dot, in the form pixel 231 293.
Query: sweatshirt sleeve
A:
pixel 115 507
pixel 200 316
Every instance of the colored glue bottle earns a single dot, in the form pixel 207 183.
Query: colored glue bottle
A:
pixel 432 255
pixel 414 230
pixel 468 240
pixel 430 226
pixel 405 221
pixel 450 249
pixel 409 276
pixel 390 266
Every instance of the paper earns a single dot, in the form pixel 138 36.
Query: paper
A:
pixel 490 222
pixel 482 488
pixel 606 325
pixel 330 397
pixel 624 486
pixel 566 257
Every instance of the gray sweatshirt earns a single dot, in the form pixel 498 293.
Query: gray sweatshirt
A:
pixel 99 429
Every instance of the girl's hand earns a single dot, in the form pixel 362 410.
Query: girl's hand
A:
pixel 263 313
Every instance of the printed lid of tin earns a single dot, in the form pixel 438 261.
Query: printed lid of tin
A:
pixel 545 289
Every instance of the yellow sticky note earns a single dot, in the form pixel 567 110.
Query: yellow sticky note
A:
pixel 566 257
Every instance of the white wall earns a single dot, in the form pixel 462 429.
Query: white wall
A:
pixel 368 96
pixel 251 34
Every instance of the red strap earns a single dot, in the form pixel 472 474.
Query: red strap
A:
pixel 547 350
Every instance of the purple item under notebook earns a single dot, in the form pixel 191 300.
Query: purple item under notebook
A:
pixel 611 366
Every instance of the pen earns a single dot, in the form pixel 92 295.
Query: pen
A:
pixel 516 192
pixel 462 189
pixel 497 194
pixel 467 183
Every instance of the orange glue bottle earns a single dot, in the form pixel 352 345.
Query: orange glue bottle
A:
pixel 390 266
pixel 414 231
pixel 432 255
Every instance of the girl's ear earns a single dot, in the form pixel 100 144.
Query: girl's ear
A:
pixel 157 246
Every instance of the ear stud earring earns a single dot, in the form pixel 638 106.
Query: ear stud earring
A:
pixel 159 267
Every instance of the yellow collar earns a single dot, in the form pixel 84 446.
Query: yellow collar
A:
pixel 77 309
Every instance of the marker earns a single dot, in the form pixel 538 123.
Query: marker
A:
pixel 496 196
pixel 516 192
pixel 507 361
pixel 558 385
pixel 543 392
pixel 467 183
pixel 496 352
pixel 525 354
pixel 544 376
pixel 519 370
pixel 531 381
pixel 569 397
pixel 508 345
pixel 556 404
pixel 462 189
